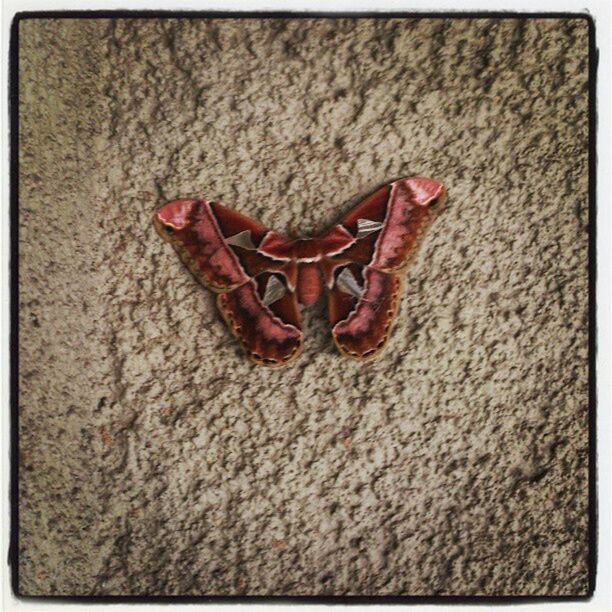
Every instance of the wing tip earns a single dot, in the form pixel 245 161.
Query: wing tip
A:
pixel 426 191
pixel 175 214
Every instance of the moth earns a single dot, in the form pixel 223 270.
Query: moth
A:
pixel 262 277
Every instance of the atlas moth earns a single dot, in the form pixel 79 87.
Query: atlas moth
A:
pixel 263 277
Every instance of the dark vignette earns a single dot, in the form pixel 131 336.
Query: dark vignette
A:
pixel 13 553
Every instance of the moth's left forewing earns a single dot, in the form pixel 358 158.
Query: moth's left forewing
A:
pixel 192 228
pixel 389 227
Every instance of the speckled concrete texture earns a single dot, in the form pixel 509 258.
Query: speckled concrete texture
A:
pixel 155 458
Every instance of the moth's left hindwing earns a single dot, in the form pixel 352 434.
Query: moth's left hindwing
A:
pixel 220 247
pixel 388 226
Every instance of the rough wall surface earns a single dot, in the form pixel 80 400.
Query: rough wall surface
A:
pixel 155 459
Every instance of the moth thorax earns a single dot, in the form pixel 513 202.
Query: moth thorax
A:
pixel 309 283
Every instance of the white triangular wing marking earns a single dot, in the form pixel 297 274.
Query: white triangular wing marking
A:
pixel 242 239
pixel 274 291
pixel 347 284
pixel 366 227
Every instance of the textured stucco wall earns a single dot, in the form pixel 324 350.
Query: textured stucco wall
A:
pixel 155 458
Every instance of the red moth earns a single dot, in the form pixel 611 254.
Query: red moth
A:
pixel 262 276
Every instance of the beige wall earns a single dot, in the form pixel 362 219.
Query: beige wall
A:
pixel 155 459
